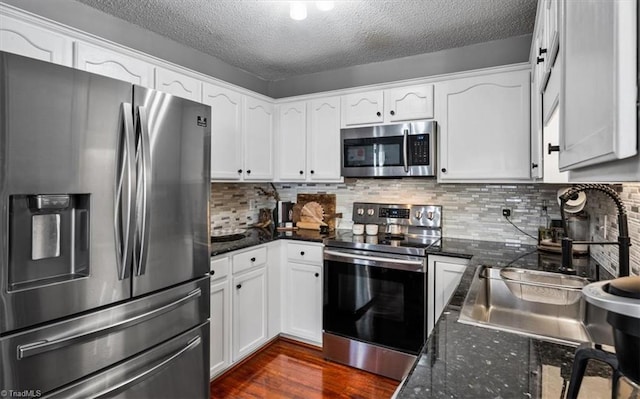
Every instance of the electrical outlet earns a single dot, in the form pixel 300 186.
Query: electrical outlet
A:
pixel 506 212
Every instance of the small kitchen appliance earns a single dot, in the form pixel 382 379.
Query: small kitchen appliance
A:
pixel 376 314
pixel 621 299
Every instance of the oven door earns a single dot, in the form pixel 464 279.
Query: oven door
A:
pixel 375 298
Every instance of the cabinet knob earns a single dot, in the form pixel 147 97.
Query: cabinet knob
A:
pixel 312 172
pixel 378 114
pixel 301 172
pixel 317 274
pixel 552 148
pixel 534 165
pixel 239 286
pixel 392 112
pixel 443 170
pixel 239 170
pixel 539 60
pixel 253 259
pixel 213 272
pixel 542 51
pixel 301 253
pixel 249 171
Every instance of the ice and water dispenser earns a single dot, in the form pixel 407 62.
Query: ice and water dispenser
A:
pixel 48 240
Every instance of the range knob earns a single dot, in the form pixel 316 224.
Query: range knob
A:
pixel 360 211
pixel 371 212
pixel 418 214
pixel 430 215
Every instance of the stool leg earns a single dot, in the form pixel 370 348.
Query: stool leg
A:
pixel 584 353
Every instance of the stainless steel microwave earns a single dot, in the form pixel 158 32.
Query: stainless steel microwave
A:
pixel 403 149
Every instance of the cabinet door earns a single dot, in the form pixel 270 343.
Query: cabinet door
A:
pixel 304 301
pixel 112 64
pixel 24 39
pixel 292 128
pixel 323 149
pixel 249 312
pixel 552 40
pixel 258 139
pixel 362 108
pixel 178 84
pixel 220 329
pixel 448 276
pixel 484 127
pixel 598 83
pixel 226 131
pixel 408 103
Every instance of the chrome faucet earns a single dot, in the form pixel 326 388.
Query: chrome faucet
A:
pixel 624 241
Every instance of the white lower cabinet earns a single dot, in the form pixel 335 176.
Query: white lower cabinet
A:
pixel 444 276
pixel 220 330
pixel 302 292
pixel 304 301
pixel 249 328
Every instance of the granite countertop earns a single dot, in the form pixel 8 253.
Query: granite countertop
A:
pixel 256 236
pixel 464 361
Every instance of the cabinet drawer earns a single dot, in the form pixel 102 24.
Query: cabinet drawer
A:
pixel 250 259
pixel 304 253
pixel 219 268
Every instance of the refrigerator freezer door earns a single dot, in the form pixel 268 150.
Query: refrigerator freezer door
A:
pixel 175 369
pixel 48 357
pixel 172 153
pixel 58 139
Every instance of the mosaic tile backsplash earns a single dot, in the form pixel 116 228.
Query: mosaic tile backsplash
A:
pixel 472 211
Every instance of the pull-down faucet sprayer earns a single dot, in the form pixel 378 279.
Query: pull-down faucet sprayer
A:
pixel 623 243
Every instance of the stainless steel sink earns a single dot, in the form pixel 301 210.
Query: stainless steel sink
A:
pixel 543 305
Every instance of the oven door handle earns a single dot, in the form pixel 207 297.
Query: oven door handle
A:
pixel 345 255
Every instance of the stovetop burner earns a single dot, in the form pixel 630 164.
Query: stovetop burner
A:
pixel 420 227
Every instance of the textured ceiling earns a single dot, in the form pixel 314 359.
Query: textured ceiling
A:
pixel 259 37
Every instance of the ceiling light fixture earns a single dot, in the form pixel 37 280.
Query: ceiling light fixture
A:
pixel 324 5
pixel 297 10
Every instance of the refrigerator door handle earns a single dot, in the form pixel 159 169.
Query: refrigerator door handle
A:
pixel 150 371
pixel 124 219
pixel 42 346
pixel 143 210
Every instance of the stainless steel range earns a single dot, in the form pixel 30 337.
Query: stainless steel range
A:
pixel 375 313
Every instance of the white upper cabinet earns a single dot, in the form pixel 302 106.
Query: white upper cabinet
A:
pixel 552 32
pixel 323 138
pixel 388 106
pixel 113 64
pixel 408 103
pixel 598 92
pixel 292 129
pixel 258 139
pixel 309 140
pixel 178 84
pixel 28 40
pixel 226 131
pixel 484 127
pixel 362 108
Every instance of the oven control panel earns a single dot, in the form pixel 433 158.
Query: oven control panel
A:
pixel 429 216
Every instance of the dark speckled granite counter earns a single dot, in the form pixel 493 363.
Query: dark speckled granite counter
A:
pixel 256 236
pixel 464 361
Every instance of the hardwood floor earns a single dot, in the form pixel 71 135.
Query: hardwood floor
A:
pixel 288 370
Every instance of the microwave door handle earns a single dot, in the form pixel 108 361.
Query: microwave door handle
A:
pixel 405 140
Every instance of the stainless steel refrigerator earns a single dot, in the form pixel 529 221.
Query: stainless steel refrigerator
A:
pixel 104 236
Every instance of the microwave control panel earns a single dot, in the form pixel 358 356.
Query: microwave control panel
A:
pixel 419 149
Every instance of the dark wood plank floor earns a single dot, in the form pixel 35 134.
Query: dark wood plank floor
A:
pixel 287 370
